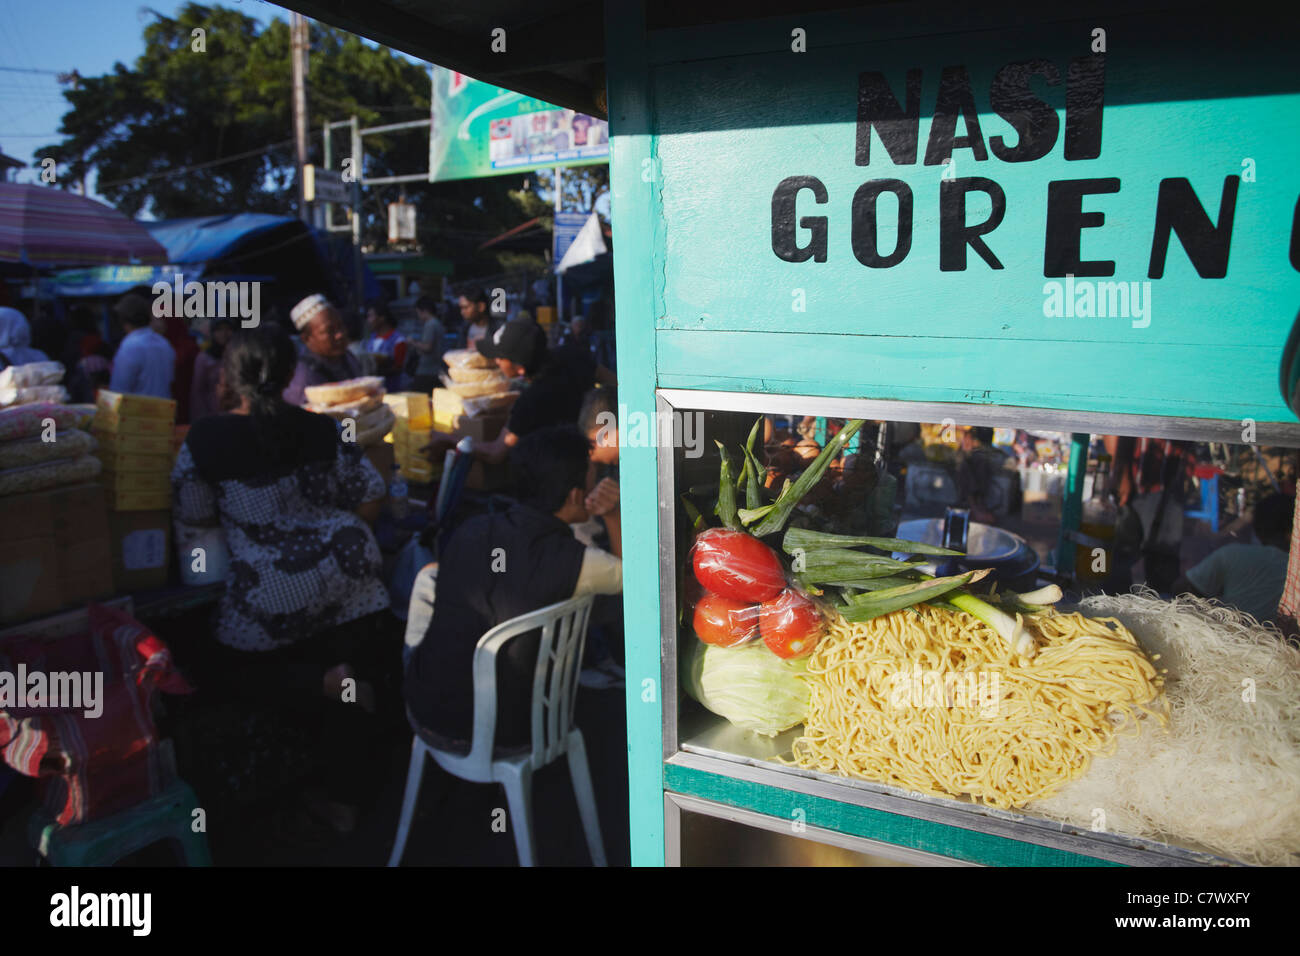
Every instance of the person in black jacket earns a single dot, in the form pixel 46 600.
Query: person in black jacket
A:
pixel 497 567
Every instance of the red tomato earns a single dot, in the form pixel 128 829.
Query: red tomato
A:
pixel 736 565
pixel 725 622
pixel 791 625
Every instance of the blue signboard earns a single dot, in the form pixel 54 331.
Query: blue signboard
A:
pixel 567 227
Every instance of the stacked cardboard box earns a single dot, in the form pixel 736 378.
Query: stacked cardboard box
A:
pixel 55 550
pixel 452 413
pixel 411 430
pixel 136 445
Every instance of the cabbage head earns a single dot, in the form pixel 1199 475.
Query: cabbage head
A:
pixel 748 685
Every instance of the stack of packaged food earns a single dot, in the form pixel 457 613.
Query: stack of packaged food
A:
pixel 476 398
pixel 54 532
pixel 136 446
pixel 358 403
pixel 414 413
pixel 136 436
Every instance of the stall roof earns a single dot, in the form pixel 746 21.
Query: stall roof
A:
pixel 555 49
pixel 205 238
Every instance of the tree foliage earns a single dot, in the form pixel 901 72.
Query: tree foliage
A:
pixel 183 132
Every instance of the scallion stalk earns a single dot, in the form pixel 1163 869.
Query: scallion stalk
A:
pixel 776 520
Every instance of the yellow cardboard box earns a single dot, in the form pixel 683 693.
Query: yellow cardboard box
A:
pixel 128 499
pixel 112 444
pixel 143 481
pixel 129 425
pixel 414 408
pixel 130 463
pixel 135 406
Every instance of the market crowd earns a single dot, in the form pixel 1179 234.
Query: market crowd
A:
pixel 306 625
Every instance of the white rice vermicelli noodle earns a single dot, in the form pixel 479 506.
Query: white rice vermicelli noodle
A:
pixel 1226 774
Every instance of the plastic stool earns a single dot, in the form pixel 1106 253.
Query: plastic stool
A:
pixel 168 816
pixel 1207 477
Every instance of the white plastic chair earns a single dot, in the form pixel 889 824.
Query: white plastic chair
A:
pixel 555 686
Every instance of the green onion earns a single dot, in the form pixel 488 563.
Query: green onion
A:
pixel 812 474
pixel 698 523
pixel 878 603
pixel 803 539
pixel 879 584
pixel 1011 629
pixel 1044 595
pixel 749 515
pixel 851 574
pixel 726 492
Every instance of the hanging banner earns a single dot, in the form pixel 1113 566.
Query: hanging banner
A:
pixel 485 130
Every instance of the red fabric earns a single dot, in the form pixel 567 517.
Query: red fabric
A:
pixel 92 766
pixel 187 351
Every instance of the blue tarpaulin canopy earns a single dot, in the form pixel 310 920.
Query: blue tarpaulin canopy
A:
pixel 204 238
pixel 242 246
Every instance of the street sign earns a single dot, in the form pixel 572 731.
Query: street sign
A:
pixel 324 185
pixel 567 227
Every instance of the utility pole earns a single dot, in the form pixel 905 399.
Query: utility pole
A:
pixel 559 279
pixel 298 43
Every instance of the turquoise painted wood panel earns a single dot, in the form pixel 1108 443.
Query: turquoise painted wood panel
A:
pixel 911 368
pixel 968 845
pixel 636 228
pixel 1204 109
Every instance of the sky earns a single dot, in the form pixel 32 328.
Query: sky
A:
pixel 42 38
pixel 57 36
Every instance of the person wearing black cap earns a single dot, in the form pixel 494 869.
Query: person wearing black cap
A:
pixel 552 396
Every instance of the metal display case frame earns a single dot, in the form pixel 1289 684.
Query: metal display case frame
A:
pixel 707 756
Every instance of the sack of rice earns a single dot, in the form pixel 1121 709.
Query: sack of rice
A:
pixel 25 421
pixel 15 395
pixel 31 375
pixel 69 443
pixel 49 474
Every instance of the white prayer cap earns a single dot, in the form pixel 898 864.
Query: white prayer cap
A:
pixel 307 309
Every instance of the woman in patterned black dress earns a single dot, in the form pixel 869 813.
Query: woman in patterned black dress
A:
pixel 300 626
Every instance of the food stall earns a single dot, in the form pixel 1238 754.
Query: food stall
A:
pixel 879 215
pixel 1063 222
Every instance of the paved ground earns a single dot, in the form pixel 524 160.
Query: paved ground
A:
pixel 454 819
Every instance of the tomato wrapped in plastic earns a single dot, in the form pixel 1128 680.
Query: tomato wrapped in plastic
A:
pixel 791 625
pixel 736 565
pixel 725 622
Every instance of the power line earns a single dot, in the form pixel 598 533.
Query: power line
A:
pixel 196 166
pixel 19 69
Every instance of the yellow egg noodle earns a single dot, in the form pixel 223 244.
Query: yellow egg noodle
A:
pixel 934 701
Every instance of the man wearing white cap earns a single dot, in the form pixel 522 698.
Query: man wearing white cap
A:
pixel 325 357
